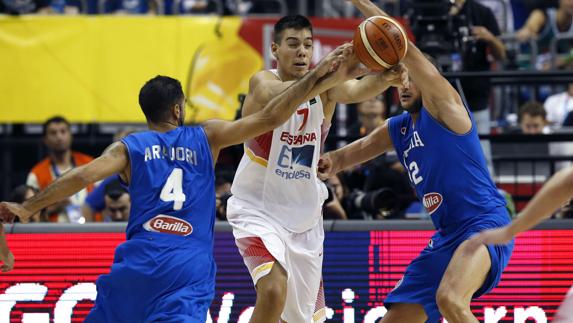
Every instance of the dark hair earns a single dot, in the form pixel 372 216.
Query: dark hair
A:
pixel 297 22
pixel 55 119
pixel 534 109
pixel 158 95
pixel 114 190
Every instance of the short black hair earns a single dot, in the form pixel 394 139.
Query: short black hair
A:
pixel 54 119
pixel 115 190
pixel 297 22
pixel 534 109
pixel 158 95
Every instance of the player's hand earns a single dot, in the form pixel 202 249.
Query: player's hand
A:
pixel 499 236
pixel 397 76
pixel 327 166
pixel 333 60
pixel 7 259
pixel 9 211
pixel 482 33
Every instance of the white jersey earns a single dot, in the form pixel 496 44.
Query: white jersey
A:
pixel 277 176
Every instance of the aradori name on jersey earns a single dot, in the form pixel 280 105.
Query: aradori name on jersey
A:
pixel 172 153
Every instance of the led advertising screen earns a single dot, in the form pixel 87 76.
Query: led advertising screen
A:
pixel 55 274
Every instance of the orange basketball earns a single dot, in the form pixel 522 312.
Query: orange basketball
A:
pixel 380 43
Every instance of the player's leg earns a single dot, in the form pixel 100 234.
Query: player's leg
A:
pixel 271 295
pixel 466 273
pixel 402 312
pixel 565 312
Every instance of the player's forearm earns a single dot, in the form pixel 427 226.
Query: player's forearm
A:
pixel 363 89
pixel 368 9
pixel 63 187
pixel 361 150
pixel 555 193
pixel 3 244
pixel 281 107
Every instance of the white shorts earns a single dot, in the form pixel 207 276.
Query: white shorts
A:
pixel 565 311
pixel 261 242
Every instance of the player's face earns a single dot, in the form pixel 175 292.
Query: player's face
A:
pixel 58 137
pixel 410 98
pixel 532 125
pixel 294 52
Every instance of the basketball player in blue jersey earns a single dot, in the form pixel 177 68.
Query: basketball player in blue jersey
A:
pixel 437 143
pixel 555 193
pixel 165 271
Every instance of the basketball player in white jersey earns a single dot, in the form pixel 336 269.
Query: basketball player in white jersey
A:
pixel 276 208
pixel 555 193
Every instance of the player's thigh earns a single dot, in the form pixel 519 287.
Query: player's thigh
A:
pixel 467 271
pixel 402 312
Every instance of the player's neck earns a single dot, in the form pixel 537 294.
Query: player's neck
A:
pixel 62 159
pixel 285 77
pixel 162 126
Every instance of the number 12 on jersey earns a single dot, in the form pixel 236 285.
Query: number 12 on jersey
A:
pixel 413 171
pixel 173 189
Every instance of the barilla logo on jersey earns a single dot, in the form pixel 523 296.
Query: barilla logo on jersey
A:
pixel 432 201
pixel 168 224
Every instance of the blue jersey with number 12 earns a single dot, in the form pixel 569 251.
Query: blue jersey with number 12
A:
pixel 172 184
pixel 448 171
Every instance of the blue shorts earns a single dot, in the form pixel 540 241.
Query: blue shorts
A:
pixel 156 280
pixel 424 274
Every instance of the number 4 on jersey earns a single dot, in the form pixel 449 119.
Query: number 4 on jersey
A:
pixel 173 189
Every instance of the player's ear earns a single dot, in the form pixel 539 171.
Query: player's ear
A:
pixel 274 49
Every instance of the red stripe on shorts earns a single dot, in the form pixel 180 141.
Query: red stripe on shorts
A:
pixel 254 252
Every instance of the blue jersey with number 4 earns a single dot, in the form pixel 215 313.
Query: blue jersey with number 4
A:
pixel 172 184
pixel 448 171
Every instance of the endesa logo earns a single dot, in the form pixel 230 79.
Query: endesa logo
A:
pixel 295 162
pixel 168 224
pixel 432 201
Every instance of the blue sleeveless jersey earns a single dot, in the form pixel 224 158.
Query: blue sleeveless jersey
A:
pixel 448 171
pixel 172 185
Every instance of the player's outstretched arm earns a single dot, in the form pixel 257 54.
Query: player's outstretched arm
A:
pixel 555 193
pixel 226 133
pixel 439 97
pixel 113 160
pixel 354 91
pixel 360 151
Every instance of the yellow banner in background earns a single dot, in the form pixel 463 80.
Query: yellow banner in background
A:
pixel 90 69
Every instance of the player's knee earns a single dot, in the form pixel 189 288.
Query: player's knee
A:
pixel 273 291
pixel 449 302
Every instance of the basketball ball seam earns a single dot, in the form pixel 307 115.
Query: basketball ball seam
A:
pixel 387 39
pixel 369 49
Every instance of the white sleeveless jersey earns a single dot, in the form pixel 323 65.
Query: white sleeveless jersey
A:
pixel 277 176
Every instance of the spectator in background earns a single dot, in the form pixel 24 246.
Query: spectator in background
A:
pixel 532 119
pixel 485 31
pixel 223 181
pixel 371 114
pixel 117 202
pixel 332 208
pixel 544 25
pixel 130 7
pixel 559 105
pixel 58 140
pixel 22 193
pixel 503 12
pixel 24 7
